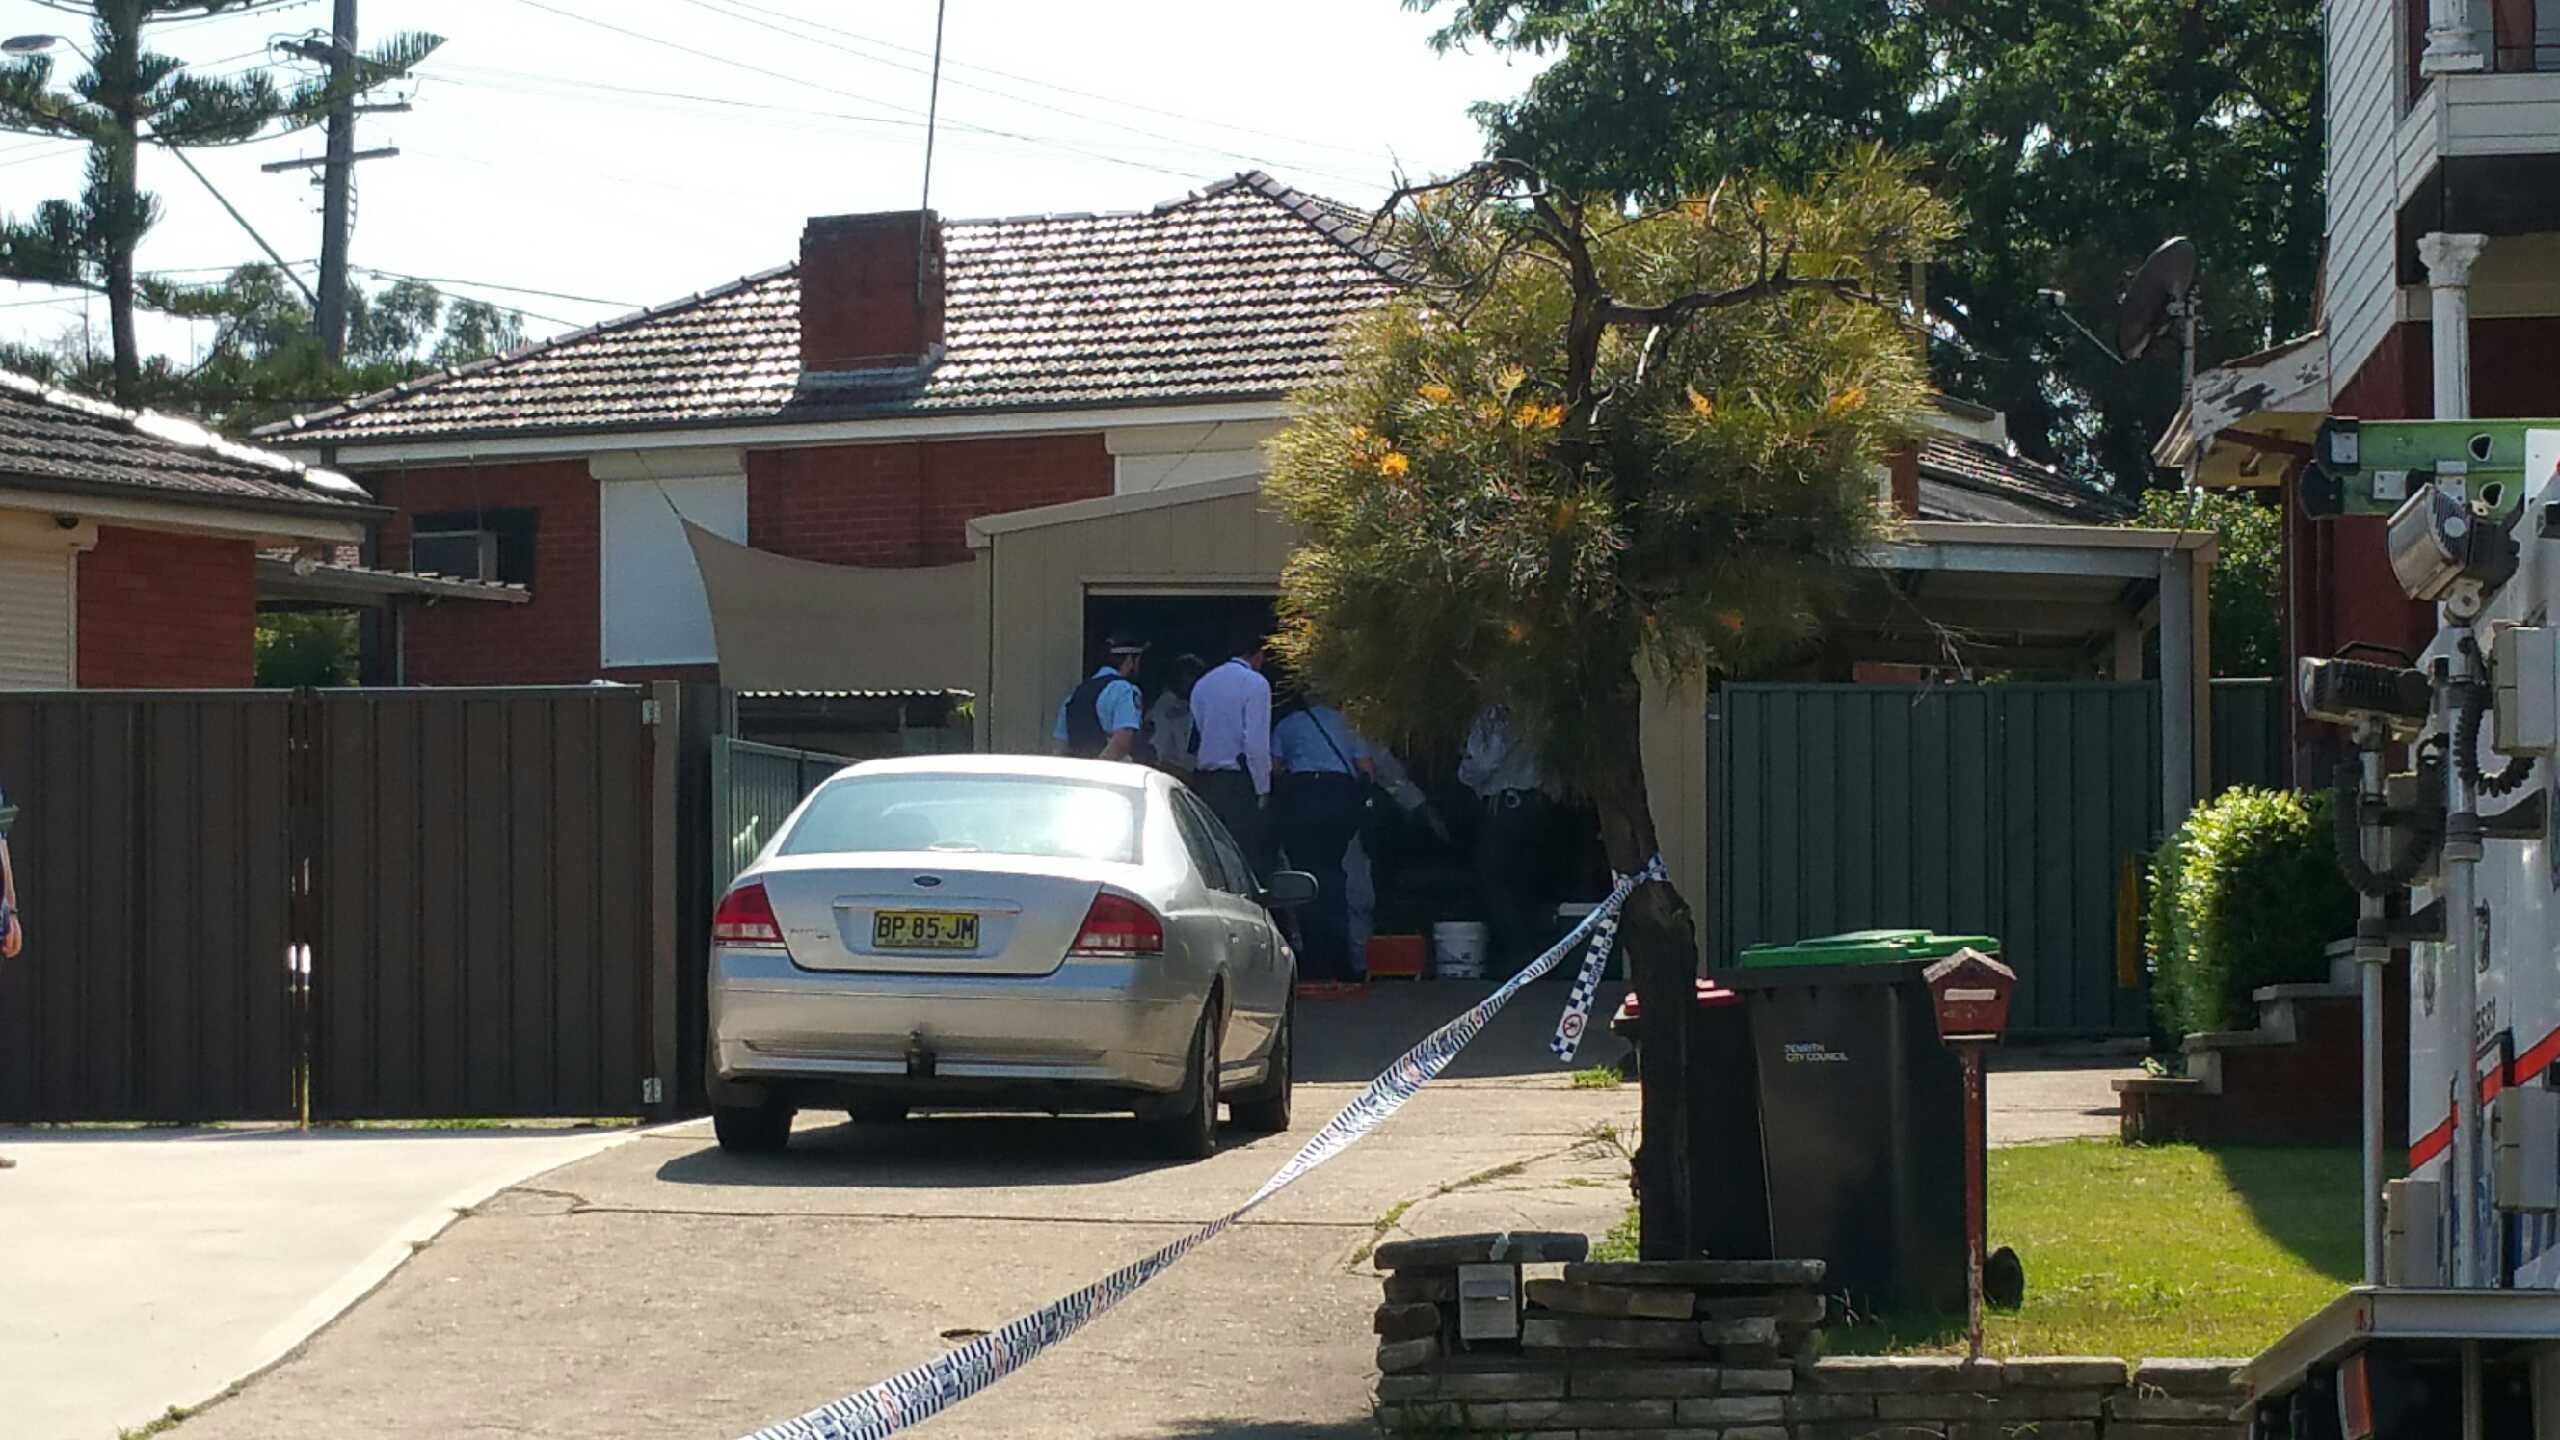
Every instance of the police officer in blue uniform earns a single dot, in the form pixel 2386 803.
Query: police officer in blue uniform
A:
pixel 1099 719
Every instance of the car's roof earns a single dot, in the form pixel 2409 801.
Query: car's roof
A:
pixel 1102 772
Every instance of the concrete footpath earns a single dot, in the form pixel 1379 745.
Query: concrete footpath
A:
pixel 143 1269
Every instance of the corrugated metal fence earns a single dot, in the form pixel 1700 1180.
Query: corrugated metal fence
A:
pixel 481 902
pixel 446 902
pixel 2012 810
pixel 2007 810
pixel 753 788
pixel 153 855
pixel 2248 733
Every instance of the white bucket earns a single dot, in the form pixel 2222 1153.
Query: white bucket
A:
pixel 1458 949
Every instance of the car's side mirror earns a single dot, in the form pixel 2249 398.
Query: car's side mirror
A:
pixel 1288 887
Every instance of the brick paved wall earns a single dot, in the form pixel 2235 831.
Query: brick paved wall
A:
pixel 167 612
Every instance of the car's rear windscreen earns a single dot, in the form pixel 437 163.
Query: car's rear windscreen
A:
pixel 966 814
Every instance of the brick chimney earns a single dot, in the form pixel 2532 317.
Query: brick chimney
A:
pixel 869 311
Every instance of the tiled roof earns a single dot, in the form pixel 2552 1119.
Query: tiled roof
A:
pixel 1230 293
pixel 1967 479
pixel 52 439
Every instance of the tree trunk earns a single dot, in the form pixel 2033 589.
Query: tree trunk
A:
pixel 1659 940
pixel 116 205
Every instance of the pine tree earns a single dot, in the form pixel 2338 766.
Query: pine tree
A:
pixel 130 97
pixel 1589 440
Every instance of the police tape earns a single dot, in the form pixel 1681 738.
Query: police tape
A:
pixel 938 1384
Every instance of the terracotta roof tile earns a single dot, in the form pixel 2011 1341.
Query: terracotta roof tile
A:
pixel 1230 293
pixel 1966 479
pixel 54 439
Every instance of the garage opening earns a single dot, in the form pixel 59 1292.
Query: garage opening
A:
pixel 1173 625
pixel 1424 864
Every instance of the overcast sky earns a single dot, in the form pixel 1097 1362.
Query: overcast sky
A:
pixel 627 152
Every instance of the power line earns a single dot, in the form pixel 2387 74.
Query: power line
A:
pixel 1062 89
pixel 701 54
pixel 517 82
pixel 1254 160
pixel 494 285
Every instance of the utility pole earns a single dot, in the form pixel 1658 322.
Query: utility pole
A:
pixel 338 183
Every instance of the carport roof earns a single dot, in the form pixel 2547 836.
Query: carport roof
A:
pixel 1991 597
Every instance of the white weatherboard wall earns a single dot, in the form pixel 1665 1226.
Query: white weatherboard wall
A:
pixel 655 612
pixel 2365 78
pixel 1159 457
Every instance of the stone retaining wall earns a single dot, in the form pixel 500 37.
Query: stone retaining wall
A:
pixel 1729 1350
pixel 1562 1397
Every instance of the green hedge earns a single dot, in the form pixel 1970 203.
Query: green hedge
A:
pixel 2246 893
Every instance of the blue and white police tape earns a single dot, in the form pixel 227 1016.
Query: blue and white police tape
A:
pixel 955 1375
pixel 1577 1006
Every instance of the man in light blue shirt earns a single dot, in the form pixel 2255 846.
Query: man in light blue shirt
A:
pixel 1317 806
pixel 1099 719
pixel 1314 739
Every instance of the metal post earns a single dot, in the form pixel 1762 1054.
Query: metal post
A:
pixel 2373 952
pixel 1974 1219
pixel 2457 982
pixel 2179 634
pixel 2471 1417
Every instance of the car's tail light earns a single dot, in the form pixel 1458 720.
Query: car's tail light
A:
pixel 745 917
pixel 1118 925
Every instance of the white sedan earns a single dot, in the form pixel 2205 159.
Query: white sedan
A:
pixel 1002 932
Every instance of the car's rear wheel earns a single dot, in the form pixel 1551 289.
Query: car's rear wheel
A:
pixel 876 1112
pixel 1191 1133
pixel 1264 1109
pixel 760 1129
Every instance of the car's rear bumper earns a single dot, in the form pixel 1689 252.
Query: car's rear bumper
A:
pixel 1093 1029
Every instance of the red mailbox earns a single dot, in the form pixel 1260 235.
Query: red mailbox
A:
pixel 1971 993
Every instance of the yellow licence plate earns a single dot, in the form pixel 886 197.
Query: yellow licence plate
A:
pixel 924 930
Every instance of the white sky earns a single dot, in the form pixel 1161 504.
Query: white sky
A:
pixel 519 168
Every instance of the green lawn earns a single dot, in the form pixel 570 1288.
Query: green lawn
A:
pixel 2154 1250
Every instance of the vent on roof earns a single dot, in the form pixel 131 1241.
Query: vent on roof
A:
pixel 870 298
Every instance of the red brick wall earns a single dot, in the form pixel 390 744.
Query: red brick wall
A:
pixel 556 639
pixel 167 612
pixel 900 504
pixel 910 503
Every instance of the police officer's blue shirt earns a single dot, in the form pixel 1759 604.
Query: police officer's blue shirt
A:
pixel 1299 743
pixel 1116 707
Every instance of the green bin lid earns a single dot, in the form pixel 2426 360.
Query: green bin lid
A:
pixel 1865 947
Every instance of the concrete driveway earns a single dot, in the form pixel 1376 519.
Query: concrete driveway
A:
pixel 150 1268
pixel 664 1289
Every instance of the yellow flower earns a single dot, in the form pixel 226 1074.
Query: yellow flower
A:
pixel 1534 416
pixel 1853 398
pixel 1394 465
pixel 1437 393
pixel 1360 437
pixel 1510 379
pixel 1705 407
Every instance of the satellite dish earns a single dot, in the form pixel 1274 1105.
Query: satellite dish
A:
pixel 2156 298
